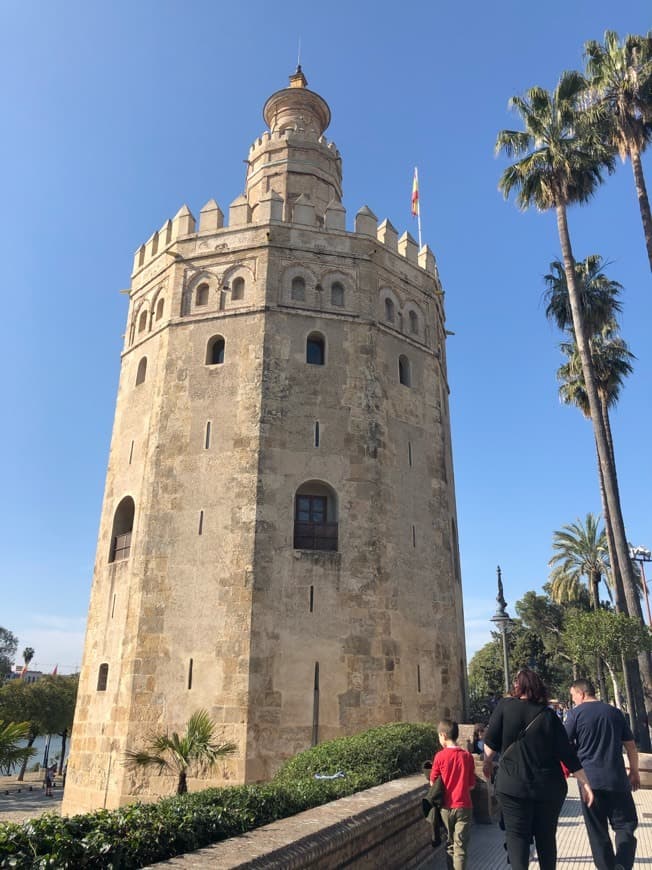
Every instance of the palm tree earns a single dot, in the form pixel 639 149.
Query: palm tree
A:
pixel 12 735
pixel 621 82
pixel 612 363
pixel 580 551
pixel 28 655
pixel 196 751
pixel 599 301
pixel 561 157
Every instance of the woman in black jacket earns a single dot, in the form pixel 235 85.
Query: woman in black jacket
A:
pixel 530 784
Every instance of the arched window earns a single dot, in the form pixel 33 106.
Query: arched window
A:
pixel 315 517
pixel 160 305
pixel 404 371
pixel 298 289
pixel 414 323
pixel 102 677
pixel 315 349
pixel 201 295
pixel 123 523
pixel 389 310
pixel 142 371
pixel 142 321
pixel 237 289
pixel 215 351
pixel 337 294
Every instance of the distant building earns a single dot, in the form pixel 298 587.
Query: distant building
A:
pixel 278 541
pixel 27 676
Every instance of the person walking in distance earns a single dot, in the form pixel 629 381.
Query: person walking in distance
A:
pixel 599 733
pixel 455 766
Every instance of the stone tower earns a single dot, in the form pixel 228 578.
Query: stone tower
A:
pixel 278 537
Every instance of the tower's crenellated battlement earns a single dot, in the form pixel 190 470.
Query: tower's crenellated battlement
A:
pixel 184 227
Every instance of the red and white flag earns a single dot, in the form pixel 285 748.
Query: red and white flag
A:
pixel 56 670
pixel 415 194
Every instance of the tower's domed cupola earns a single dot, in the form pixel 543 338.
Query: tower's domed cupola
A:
pixel 297 109
pixel 293 159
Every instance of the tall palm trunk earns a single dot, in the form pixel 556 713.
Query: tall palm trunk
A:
pixel 604 454
pixel 643 201
pixel 594 583
pixel 638 715
pixel 182 783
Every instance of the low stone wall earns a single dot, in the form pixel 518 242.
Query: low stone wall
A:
pixel 381 827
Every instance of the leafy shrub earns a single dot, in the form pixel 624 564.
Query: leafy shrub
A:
pixel 141 834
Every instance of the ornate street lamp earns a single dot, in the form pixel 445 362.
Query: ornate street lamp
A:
pixel 641 555
pixel 503 622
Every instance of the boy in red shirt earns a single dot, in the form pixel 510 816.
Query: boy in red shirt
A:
pixel 457 771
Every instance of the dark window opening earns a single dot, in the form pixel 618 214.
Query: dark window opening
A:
pixel 123 523
pixel 315 521
pixel 215 351
pixel 389 310
pixel 201 295
pixel 201 523
pixel 102 678
pixel 190 674
pixel 315 350
pixel 418 678
pixel 142 322
pixel 237 289
pixel 414 322
pixel 141 374
pixel 404 371
pixel 337 294
pixel 410 454
pixel 298 291
pixel 316 433
pixel 160 305
pixel 131 452
pixel 207 437
pixel 312 598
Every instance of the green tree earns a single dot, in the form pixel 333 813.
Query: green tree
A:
pixel 196 751
pixel 620 74
pixel 47 706
pixel 8 647
pixel 613 637
pixel 12 736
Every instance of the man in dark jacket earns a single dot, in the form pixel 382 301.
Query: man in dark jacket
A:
pixel 599 733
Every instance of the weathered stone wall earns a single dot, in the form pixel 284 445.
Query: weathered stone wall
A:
pixel 214 607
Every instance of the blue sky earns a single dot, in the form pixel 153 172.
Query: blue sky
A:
pixel 116 114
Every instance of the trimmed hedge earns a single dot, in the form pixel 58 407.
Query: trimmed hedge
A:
pixel 140 834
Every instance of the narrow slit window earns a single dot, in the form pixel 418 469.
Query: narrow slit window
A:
pixel 414 536
pixel 190 675
pixel 312 598
pixel 298 289
pixel 316 433
pixel 102 677
pixel 315 707
pixel 200 528
pixel 207 438
pixel 113 606
pixel 418 678
pixel 131 452
pixel 141 374
pixel 410 454
pixel 404 375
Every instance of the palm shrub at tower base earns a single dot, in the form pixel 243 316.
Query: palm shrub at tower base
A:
pixel 140 834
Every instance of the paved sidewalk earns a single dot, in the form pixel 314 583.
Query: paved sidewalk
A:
pixel 573 852
pixel 20 801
